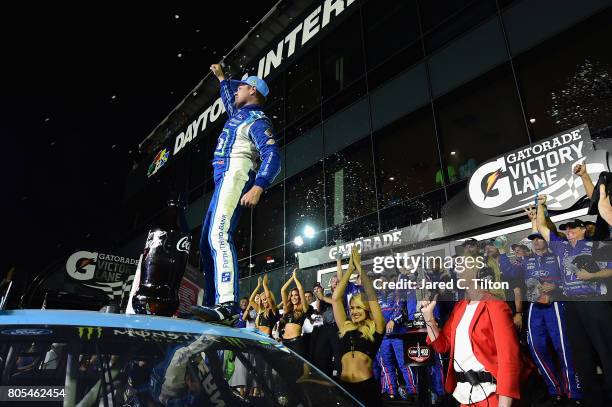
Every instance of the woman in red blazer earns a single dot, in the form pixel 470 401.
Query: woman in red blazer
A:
pixel 483 344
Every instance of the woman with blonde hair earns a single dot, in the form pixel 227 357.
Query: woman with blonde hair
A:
pixel 360 336
pixel 295 312
pixel 267 313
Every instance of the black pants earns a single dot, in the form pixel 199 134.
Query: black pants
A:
pixel 306 339
pixel 325 345
pixel 367 391
pixel 590 334
pixel 296 344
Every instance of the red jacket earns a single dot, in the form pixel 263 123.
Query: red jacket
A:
pixel 494 343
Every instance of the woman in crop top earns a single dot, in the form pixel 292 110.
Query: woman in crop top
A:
pixel 267 314
pixel 360 337
pixel 295 311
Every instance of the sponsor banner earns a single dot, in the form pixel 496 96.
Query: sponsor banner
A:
pixel 510 182
pixel 108 273
pixel 188 295
pixel 384 241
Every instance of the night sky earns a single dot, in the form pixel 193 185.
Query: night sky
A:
pixel 83 84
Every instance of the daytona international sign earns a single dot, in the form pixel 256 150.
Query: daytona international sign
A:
pixel 510 182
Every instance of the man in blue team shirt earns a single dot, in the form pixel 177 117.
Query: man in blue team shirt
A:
pixel 546 320
pixel 246 135
pixel 392 348
pixel 588 313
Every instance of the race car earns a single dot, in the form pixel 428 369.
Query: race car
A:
pixel 86 358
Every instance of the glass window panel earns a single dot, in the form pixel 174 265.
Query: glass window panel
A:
pixel 567 80
pixel 528 23
pixel 403 174
pixel 269 260
pixel 343 128
pixel 303 125
pixel 469 56
pixel 304 206
pixel 242 235
pixel 304 152
pixel 344 98
pixel 244 271
pixel 436 12
pixel 395 64
pixel 349 183
pixel 342 57
pixel 461 21
pixel 480 121
pixel 268 222
pixel 276 113
pixel 199 167
pixel 381 19
pixel 410 87
pixel 355 229
pixel 303 86
pixel 412 212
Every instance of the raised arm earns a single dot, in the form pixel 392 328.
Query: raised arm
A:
pixel 338 296
pixel 254 294
pixel 541 218
pixel 269 294
pixel 284 298
pixel 227 93
pixel 581 171
pixel 370 292
pixel 605 209
pixel 300 288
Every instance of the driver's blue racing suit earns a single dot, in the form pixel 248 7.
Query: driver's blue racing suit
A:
pixel 246 135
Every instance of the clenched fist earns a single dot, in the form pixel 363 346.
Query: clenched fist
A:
pixel 217 71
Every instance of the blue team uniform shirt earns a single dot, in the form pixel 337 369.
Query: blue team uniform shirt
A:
pixel 566 253
pixel 247 131
pixel 392 307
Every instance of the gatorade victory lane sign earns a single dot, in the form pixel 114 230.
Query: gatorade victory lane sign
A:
pixel 510 182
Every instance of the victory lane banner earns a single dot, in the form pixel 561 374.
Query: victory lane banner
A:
pixel 510 182
pixel 108 273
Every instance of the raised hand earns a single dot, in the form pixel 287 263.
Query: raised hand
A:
pixel 217 71
pixel 580 169
pixel 427 308
pixel 531 212
pixel 542 199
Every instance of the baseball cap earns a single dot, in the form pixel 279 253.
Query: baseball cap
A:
pixel 257 82
pixel 470 241
pixel 576 223
pixel 534 236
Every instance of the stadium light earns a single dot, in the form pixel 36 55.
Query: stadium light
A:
pixel 309 231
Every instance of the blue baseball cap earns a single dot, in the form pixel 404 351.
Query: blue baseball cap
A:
pixel 257 82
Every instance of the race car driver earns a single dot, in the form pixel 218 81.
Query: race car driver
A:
pixel 247 133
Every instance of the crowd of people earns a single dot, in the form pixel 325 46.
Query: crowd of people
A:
pixel 546 329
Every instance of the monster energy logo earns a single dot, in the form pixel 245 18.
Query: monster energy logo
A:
pixel 234 342
pixel 89 332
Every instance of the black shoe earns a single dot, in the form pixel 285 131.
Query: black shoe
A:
pixel 225 313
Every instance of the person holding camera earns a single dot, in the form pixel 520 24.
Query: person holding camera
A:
pixel 588 313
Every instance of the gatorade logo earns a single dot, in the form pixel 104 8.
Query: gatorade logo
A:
pixel 183 244
pixel 82 265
